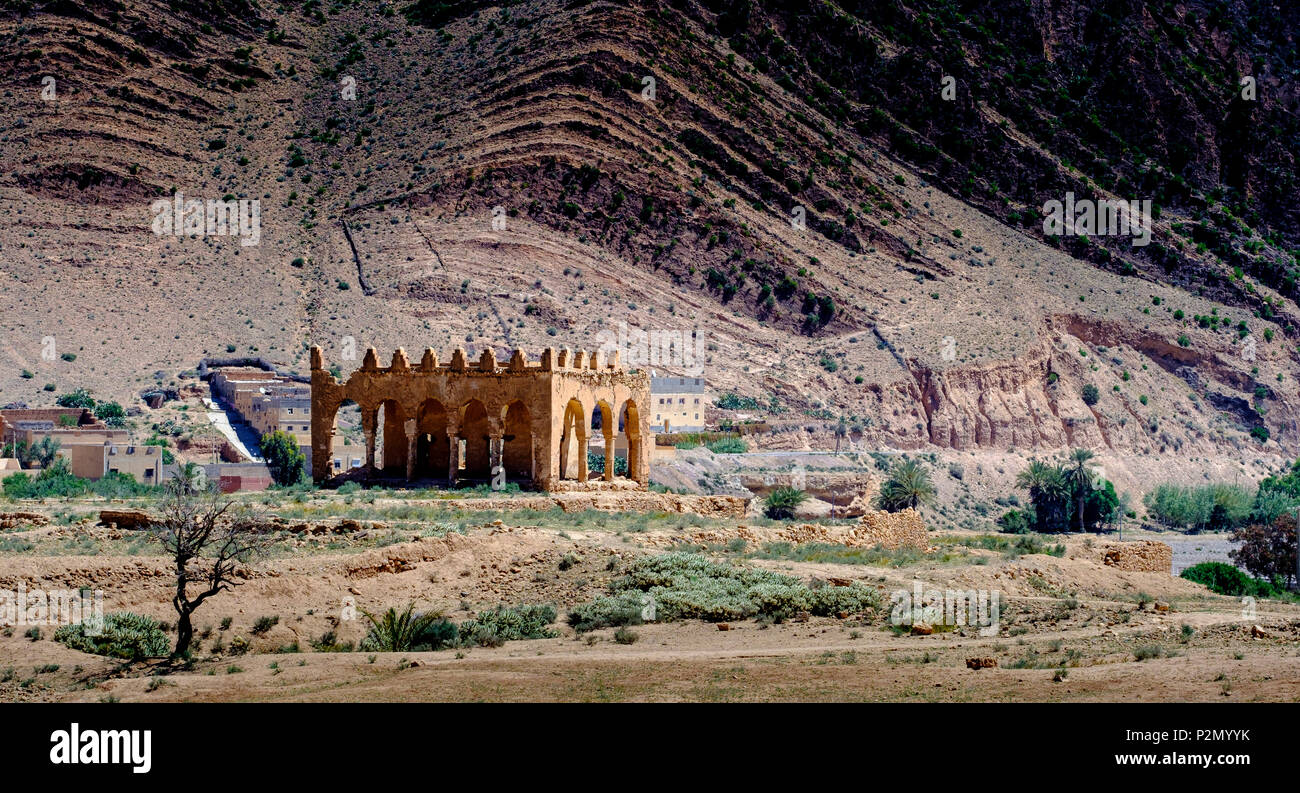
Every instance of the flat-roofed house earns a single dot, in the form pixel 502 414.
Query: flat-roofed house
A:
pixel 678 404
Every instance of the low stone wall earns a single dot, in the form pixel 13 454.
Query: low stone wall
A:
pixel 610 501
pixel 125 519
pixel 1143 556
pixel 14 520
pixel 892 530
pixel 707 506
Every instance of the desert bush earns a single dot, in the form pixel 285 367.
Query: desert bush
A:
pixel 689 586
pixel 607 611
pixel 329 643
pixel 264 624
pixel 1016 521
pixel 122 635
pixel 1149 651
pixel 727 446
pixel 509 623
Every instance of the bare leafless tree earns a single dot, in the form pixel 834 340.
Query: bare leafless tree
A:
pixel 209 541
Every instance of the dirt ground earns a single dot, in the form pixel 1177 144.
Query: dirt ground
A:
pixel 1071 628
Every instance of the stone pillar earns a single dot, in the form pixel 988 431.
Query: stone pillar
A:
pixel 368 427
pixel 410 427
pixel 453 461
pixel 633 457
pixel 322 444
pixel 583 473
pixel 496 450
pixel 608 432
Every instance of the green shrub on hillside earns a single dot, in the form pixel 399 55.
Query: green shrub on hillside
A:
pixel 508 623
pixel 1226 579
pixel 625 608
pixel 689 586
pixel 727 446
pixel 1214 507
pixel 122 635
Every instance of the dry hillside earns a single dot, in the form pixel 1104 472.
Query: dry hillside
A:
pixel 673 211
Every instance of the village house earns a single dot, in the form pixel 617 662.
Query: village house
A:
pixel 678 403
pixel 90 447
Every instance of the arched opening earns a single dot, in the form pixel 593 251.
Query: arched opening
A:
pixel 573 441
pixel 393 440
pixel 600 447
pixel 475 441
pixel 433 447
pixel 629 425
pixel 517 453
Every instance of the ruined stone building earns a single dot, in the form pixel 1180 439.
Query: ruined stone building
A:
pixel 460 420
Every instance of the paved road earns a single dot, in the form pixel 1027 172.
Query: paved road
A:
pixel 240 435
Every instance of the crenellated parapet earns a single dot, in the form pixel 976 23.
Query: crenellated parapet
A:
pixel 549 360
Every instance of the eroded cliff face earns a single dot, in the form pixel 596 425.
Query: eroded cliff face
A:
pixel 1151 395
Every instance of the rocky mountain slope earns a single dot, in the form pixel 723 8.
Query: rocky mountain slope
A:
pixel 849 234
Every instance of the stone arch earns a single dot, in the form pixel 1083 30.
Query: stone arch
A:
pixel 394 437
pixel 475 433
pixel 629 423
pixel 517 442
pixel 432 446
pixel 603 424
pixel 573 442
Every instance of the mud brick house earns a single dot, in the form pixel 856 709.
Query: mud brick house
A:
pixel 91 448
pixel 460 420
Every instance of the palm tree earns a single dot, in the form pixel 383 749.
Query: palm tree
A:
pixel 1047 490
pixel 908 486
pixel 395 631
pixel 1081 477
